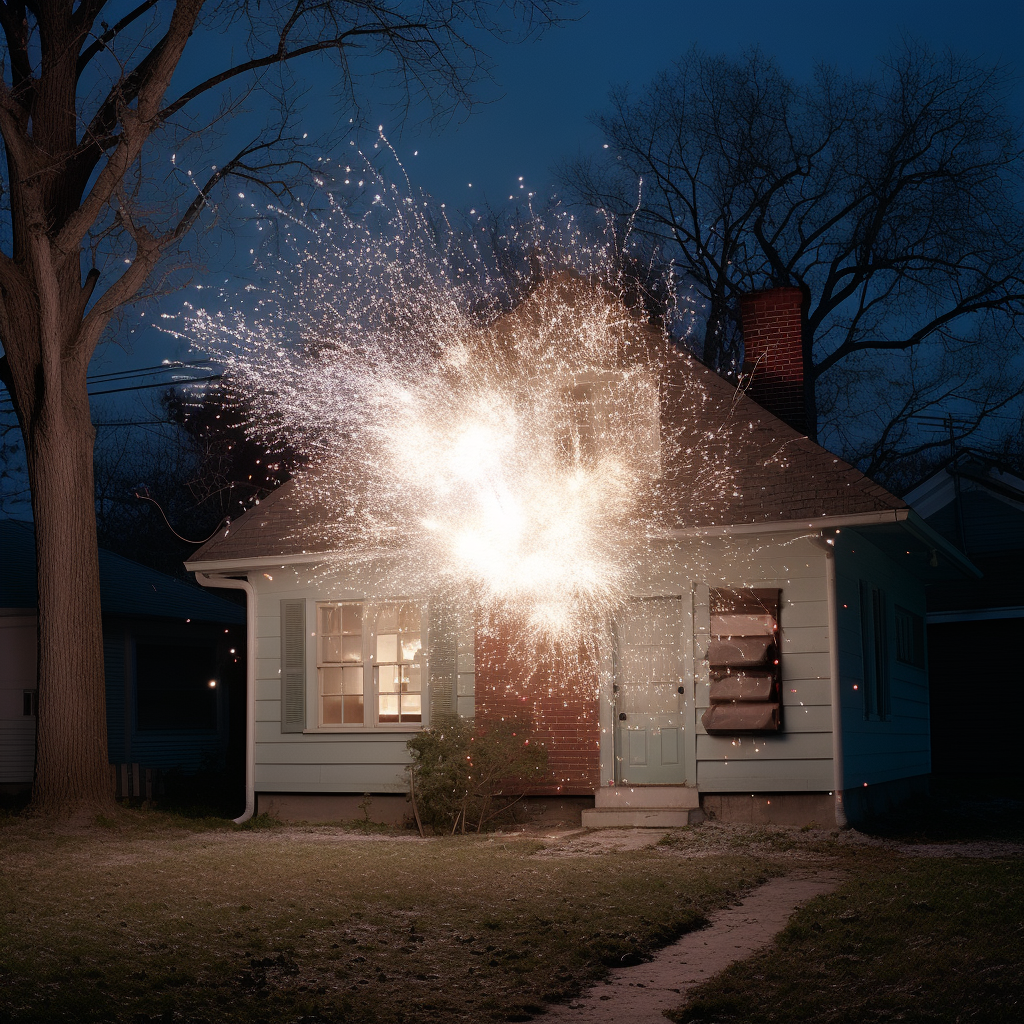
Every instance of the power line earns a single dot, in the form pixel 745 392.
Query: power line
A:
pixel 7 405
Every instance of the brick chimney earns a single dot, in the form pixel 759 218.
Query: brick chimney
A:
pixel 773 352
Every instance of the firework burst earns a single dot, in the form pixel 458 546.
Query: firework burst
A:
pixel 492 436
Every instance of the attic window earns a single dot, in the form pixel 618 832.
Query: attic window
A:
pixel 612 411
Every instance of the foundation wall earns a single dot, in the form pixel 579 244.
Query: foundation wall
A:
pixel 325 808
pixel 771 808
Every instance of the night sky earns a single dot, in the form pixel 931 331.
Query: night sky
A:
pixel 536 111
pixel 547 90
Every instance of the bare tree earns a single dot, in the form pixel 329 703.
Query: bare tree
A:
pixel 105 127
pixel 896 201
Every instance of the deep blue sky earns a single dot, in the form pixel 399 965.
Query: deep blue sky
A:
pixel 546 90
pixel 536 111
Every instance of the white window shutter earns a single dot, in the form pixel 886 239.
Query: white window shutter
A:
pixel 293 666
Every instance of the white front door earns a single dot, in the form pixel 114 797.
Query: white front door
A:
pixel 650 693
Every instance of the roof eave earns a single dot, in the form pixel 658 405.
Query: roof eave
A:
pixel 892 515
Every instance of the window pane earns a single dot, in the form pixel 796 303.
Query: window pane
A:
pixel 331 711
pixel 387 619
pixel 411 677
pixel 330 648
pixel 330 619
pixel 410 707
pixel 409 618
pixel 410 646
pixel 387 648
pixel 353 680
pixel 330 680
pixel 388 707
pixel 353 710
pixel 352 618
pixel 352 648
pixel 388 678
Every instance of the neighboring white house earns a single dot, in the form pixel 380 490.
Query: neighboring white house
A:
pixel 771 665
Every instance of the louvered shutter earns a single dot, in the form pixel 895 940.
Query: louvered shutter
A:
pixel 442 649
pixel 293 666
pixel 743 657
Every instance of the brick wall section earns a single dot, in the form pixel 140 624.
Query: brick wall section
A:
pixel 773 352
pixel 555 691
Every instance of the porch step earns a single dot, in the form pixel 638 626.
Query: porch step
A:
pixel 641 817
pixel 647 797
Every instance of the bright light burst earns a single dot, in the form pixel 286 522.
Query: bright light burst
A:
pixel 462 438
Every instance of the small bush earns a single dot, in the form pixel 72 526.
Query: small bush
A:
pixel 471 777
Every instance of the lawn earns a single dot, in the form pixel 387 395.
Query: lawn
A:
pixel 910 939
pixel 156 918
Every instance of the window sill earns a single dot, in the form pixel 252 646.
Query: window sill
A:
pixel 356 730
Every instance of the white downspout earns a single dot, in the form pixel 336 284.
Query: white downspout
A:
pixel 205 580
pixel 829 546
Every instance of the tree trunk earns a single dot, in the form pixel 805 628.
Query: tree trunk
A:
pixel 72 771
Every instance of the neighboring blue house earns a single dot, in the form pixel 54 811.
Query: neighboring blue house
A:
pixel 976 626
pixel 173 655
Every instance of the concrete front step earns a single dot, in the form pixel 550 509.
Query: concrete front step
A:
pixel 641 817
pixel 647 797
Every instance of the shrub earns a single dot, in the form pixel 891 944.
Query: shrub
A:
pixel 471 777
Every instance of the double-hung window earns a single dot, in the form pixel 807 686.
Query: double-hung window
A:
pixel 398 664
pixel 340 663
pixel 370 664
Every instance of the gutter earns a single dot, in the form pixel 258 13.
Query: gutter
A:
pixel 205 580
pixel 894 515
pixel 263 562
pixel 828 545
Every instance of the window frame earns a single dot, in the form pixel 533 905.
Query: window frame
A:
pixel 372 611
pixel 876 651
pixel 916 625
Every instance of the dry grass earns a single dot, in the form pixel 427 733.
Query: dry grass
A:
pixel 154 918
pixel 915 939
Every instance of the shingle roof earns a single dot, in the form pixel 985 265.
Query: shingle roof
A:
pixel 126 587
pixel 751 467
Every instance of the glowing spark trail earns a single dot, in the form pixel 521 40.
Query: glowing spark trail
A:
pixel 461 441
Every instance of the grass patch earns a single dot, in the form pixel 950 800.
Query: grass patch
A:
pixel 907 939
pixel 155 917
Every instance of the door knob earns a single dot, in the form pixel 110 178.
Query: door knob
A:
pixel 682 689
pixel 622 716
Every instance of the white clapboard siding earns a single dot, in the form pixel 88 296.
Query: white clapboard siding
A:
pixel 766 746
pixel 806 692
pixel 339 748
pixel 798 759
pixel 764 776
pixel 309 760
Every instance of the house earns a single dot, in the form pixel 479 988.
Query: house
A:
pixel 976 626
pixel 768 665
pixel 172 655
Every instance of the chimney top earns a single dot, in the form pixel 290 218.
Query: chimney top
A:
pixel 773 355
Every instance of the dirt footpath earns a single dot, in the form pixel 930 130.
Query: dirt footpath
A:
pixel 641 994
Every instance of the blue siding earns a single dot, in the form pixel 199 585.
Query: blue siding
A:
pixel 900 746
